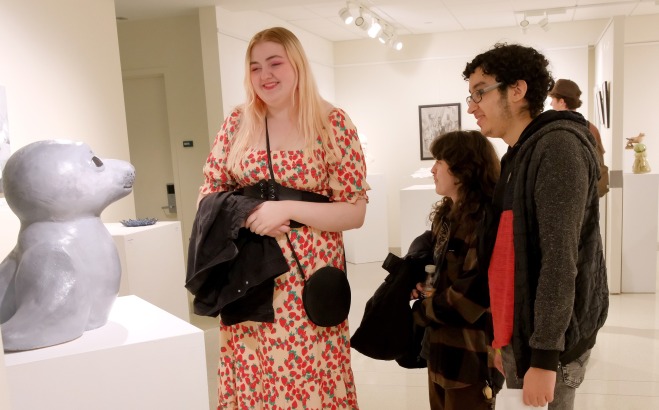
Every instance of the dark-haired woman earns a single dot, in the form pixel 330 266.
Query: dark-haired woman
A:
pixel 457 318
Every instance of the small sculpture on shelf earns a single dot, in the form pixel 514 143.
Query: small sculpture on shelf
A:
pixel 63 276
pixel 634 140
pixel 132 223
pixel 641 164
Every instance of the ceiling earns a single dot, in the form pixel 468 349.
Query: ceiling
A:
pixel 321 17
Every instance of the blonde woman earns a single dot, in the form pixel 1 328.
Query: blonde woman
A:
pixel 289 362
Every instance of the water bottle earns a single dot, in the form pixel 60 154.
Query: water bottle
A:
pixel 429 284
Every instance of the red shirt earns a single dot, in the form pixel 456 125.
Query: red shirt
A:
pixel 501 275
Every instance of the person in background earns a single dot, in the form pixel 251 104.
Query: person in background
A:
pixel 547 278
pixel 565 96
pixel 289 362
pixel 456 312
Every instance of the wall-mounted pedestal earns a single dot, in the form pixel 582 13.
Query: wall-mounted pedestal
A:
pixel 143 358
pixel 152 264
pixel 370 243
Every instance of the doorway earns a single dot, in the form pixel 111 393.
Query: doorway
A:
pixel 150 148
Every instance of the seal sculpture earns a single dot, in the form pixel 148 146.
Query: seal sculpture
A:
pixel 63 275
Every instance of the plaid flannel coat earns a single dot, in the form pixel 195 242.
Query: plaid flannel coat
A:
pixel 457 317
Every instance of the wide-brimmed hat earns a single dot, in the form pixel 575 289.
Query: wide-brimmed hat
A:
pixel 565 89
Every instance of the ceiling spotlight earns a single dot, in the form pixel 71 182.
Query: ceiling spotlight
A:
pixel 385 35
pixel 524 23
pixel 375 29
pixel 369 21
pixel 346 15
pixel 544 23
pixel 360 21
pixel 396 44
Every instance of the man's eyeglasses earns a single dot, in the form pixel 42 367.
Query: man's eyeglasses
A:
pixel 477 96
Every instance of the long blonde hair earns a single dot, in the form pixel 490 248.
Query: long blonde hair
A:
pixel 307 102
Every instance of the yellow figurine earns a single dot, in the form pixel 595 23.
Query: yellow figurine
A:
pixel 641 165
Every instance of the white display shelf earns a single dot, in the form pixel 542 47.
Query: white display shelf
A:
pixel 639 233
pixel 370 243
pixel 143 358
pixel 416 202
pixel 152 264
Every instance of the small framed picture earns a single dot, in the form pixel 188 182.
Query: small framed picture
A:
pixel 436 120
pixel 600 107
pixel 606 89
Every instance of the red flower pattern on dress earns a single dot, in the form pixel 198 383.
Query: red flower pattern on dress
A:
pixel 291 363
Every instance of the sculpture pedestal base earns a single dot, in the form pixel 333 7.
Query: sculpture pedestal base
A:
pixel 152 264
pixel 639 233
pixel 370 243
pixel 143 358
pixel 416 202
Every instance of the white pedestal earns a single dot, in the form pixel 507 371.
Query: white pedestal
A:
pixel 416 202
pixel 639 233
pixel 143 358
pixel 370 243
pixel 152 264
pixel 4 387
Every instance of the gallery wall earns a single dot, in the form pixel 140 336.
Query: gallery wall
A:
pixel 641 63
pixel 235 29
pixel 63 79
pixel 382 89
pixel 171 48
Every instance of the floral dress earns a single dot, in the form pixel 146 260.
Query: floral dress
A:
pixel 291 363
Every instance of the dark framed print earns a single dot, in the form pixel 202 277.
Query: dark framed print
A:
pixel 435 120
pixel 600 108
pixel 607 103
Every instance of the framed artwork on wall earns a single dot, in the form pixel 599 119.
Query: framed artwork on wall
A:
pixel 599 100
pixel 436 120
pixel 607 103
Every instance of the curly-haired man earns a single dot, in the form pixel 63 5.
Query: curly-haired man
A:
pixel 547 278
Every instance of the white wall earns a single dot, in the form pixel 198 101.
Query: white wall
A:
pixel 171 47
pixel 381 90
pixel 641 63
pixel 609 54
pixel 234 32
pixel 63 78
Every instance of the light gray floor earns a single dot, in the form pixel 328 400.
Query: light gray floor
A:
pixel 623 372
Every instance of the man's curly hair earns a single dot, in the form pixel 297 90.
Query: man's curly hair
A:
pixel 508 63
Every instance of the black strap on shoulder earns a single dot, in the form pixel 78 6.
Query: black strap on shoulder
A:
pixel 267 147
pixel 272 175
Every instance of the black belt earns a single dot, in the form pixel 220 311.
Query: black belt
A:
pixel 270 190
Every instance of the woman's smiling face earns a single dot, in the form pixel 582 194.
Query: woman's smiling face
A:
pixel 272 74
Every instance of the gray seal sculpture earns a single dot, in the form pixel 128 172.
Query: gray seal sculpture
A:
pixel 63 275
